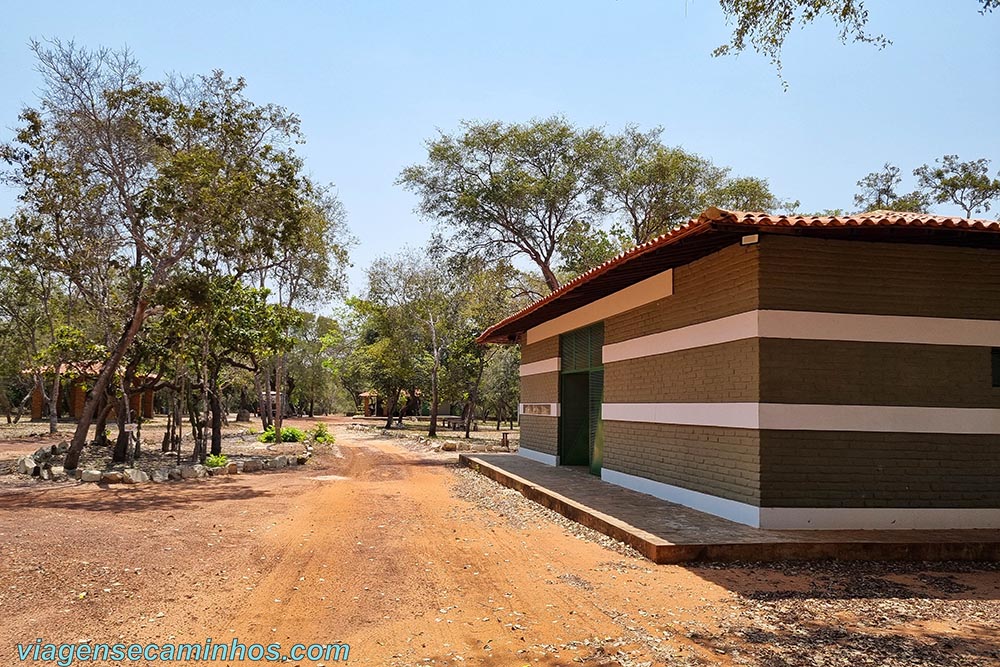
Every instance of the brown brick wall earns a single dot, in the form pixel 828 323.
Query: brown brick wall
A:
pixel 836 373
pixel 719 461
pixel 540 434
pixel 798 273
pixel 722 284
pixel 540 388
pixel 843 469
pixel 716 373
pixel 543 349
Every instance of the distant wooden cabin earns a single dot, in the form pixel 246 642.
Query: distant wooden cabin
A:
pixel 73 391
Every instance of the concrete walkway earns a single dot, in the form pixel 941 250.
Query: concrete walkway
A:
pixel 669 533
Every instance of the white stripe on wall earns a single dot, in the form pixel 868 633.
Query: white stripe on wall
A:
pixel 806 325
pixel 553 409
pixel 543 366
pixel 541 457
pixel 879 328
pixel 882 418
pixel 703 502
pixel 811 518
pixel 730 415
pixel 723 330
pixel 804 417
pixel 877 518
pixel 645 291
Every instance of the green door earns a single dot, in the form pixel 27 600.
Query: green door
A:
pixel 574 419
pixel 596 425
pixel 581 394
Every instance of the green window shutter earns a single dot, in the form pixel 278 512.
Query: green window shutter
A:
pixel 580 350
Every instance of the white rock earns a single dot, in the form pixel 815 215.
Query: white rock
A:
pixel 26 465
pixel 194 471
pixel 90 476
pixel 134 476
pixel 161 475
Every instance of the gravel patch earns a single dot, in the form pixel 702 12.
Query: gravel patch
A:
pixel 866 613
pixel 785 614
pixel 515 510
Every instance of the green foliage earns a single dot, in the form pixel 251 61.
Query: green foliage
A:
pixel 216 460
pixel 964 184
pixel 764 26
pixel 507 187
pixel 879 192
pixel 584 246
pixel 288 434
pixel 543 190
pixel 321 434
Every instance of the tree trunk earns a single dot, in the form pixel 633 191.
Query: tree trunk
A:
pixel 177 435
pixel 264 397
pixel 54 403
pixel 101 385
pixel 550 276
pixel 390 407
pixel 432 429
pixel 279 403
pixel 165 445
pixel 216 407
pixel 21 407
pixel 121 443
pixel 101 426
pixel 195 416
pixel 474 395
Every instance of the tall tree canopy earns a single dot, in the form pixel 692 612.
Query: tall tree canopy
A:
pixel 764 25
pixel 547 191
pixel 967 185
pixel 126 182
pixel 509 189
pixel 878 191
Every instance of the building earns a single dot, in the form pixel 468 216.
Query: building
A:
pixel 782 372
pixel 74 386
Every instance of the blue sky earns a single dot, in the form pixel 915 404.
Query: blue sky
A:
pixel 373 80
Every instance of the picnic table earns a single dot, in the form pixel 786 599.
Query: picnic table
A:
pixel 452 422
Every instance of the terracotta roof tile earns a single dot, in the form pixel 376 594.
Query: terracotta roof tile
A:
pixel 714 218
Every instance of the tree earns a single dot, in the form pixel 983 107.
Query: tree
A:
pixel 748 193
pixel 878 192
pixel 308 364
pixel 509 189
pixel 584 247
pixel 420 291
pixel 501 383
pixel 147 172
pixel 766 25
pixel 390 352
pixel 964 184
pixel 653 187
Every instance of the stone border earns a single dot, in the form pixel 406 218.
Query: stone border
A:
pixel 39 465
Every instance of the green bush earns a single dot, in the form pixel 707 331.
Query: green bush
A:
pixel 321 434
pixel 216 460
pixel 288 434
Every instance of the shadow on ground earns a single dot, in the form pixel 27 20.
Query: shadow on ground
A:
pixel 123 499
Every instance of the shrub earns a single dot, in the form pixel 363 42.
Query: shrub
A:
pixel 288 434
pixel 216 460
pixel 321 434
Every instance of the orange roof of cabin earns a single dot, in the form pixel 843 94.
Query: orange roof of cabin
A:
pixel 716 228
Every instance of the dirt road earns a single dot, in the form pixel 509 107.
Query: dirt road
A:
pixel 414 562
